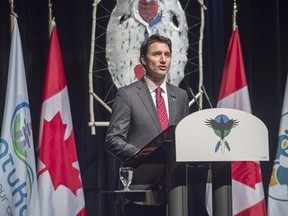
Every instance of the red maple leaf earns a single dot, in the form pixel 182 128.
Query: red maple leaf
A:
pixel 58 155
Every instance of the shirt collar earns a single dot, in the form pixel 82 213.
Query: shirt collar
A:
pixel 152 86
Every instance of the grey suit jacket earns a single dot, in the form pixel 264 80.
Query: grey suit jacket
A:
pixel 134 121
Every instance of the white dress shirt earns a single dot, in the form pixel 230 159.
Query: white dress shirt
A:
pixel 152 88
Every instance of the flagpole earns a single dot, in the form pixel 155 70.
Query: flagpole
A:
pixel 49 17
pixel 12 15
pixel 234 15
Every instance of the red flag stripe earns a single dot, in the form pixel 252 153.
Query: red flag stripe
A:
pixel 232 82
pixel 246 172
pixel 258 209
pixel 55 67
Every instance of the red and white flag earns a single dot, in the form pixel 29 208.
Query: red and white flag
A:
pixel 247 188
pixel 59 179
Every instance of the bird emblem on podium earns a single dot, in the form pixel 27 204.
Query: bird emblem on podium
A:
pixel 222 127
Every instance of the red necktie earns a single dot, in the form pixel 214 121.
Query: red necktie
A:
pixel 161 109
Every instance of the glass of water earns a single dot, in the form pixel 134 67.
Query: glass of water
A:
pixel 126 174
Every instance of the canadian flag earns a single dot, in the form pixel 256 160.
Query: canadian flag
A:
pixel 59 179
pixel 247 189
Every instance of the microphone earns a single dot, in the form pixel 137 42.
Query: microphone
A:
pixel 194 97
pixel 206 95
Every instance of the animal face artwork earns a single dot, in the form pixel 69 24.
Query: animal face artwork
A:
pixel 132 21
pixel 278 184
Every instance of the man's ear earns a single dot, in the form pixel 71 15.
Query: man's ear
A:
pixel 142 58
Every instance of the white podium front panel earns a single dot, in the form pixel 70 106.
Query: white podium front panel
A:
pixel 221 134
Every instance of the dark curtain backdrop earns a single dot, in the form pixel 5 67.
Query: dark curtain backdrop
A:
pixel 263 33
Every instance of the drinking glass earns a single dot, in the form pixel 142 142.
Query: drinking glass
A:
pixel 126 174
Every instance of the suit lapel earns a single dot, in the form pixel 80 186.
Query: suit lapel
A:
pixel 147 101
pixel 172 104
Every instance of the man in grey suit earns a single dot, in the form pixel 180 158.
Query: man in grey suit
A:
pixel 135 122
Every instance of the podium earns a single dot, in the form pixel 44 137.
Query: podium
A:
pixel 201 138
pixel 221 135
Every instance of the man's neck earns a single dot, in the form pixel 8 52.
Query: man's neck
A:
pixel 157 80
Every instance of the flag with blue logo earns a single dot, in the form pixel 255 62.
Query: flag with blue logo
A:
pixel 18 181
pixel 278 186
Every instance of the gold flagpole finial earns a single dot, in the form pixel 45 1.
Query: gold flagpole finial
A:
pixel 12 15
pixel 49 16
pixel 235 10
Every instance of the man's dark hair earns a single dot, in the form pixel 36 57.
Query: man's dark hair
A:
pixel 152 39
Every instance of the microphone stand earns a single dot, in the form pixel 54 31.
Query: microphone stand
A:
pixel 195 97
pixel 206 95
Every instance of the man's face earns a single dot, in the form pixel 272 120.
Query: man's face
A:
pixel 157 61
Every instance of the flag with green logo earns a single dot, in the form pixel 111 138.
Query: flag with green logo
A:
pixel 18 180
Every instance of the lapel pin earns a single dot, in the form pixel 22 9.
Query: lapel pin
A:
pixel 173 97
